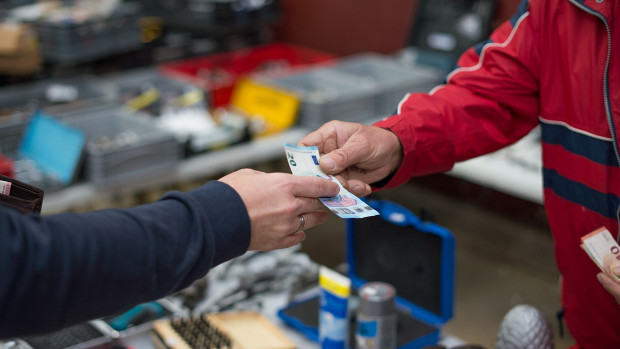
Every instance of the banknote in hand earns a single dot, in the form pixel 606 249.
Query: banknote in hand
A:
pixel 304 161
pixel 602 249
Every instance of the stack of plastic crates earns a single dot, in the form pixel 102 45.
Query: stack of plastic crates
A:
pixel 389 80
pixel 176 106
pixel 326 95
pixel 361 88
pixel 214 17
pixel 218 73
pixel 74 42
pixel 19 102
pixel 121 147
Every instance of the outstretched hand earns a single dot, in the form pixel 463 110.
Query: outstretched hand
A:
pixel 275 202
pixel 356 153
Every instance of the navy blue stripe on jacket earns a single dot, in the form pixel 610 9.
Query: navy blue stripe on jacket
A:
pixel 599 150
pixel 596 149
pixel 580 194
pixel 523 7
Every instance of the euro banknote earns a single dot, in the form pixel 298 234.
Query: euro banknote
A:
pixel 602 248
pixel 304 161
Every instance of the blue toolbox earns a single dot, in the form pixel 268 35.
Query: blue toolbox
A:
pixel 398 248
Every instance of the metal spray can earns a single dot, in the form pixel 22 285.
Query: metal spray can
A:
pixel 376 317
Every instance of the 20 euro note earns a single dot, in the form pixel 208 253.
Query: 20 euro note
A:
pixel 602 249
pixel 304 161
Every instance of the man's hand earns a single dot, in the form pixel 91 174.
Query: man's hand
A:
pixel 610 283
pixel 275 202
pixel 355 153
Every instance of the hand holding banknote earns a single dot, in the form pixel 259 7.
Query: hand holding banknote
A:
pixel 604 251
pixel 280 205
pixel 304 161
pixel 357 154
pixel 610 279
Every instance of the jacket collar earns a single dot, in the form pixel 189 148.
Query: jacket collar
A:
pixel 602 7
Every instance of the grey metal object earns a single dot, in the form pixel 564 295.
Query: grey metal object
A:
pixel 376 316
pixel 524 327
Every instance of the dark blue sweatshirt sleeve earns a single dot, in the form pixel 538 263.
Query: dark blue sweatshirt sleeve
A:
pixel 63 269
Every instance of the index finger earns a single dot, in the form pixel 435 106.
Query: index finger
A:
pixel 324 139
pixel 314 187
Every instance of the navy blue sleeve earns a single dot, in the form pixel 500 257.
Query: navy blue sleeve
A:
pixel 59 270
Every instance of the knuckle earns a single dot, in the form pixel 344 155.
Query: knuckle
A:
pixel 342 154
pixel 291 210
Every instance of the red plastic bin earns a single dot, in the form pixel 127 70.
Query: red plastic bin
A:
pixel 217 73
pixel 6 166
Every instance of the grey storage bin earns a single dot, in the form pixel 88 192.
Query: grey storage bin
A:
pixel 131 83
pixel 121 148
pixel 175 97
pixel 19 102
pixel 79 42
pixel 12 129
pixel 327 95
pixel 390 81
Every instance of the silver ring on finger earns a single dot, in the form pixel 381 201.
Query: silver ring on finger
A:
pixel 302 222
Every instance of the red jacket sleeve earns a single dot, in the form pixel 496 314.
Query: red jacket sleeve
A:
pixel 489 102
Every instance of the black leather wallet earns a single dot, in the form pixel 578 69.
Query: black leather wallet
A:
pixel 23 197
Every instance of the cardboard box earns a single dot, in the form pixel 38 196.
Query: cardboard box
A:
pixel 19 52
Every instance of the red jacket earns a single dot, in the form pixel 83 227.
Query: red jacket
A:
pixel 555 63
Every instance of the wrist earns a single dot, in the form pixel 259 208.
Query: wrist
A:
pixel 397 154
pixel 395 158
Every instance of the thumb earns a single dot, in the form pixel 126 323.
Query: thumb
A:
pixel 338 160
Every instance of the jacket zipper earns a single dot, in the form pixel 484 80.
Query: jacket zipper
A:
pixel 610 121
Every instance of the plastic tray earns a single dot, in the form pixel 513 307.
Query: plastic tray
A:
pixel 390 81
pixel 73 42
pixel 12 129
pixel 179 107
pixel 218 73
pixel 215 18
pixel 130 84
pixel 123 148
pixel 19 102
pixel 327 95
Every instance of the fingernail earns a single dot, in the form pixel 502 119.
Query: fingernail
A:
pixel 328 163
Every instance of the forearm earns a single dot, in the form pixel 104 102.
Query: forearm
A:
pixel 488 103
pixel 65 268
